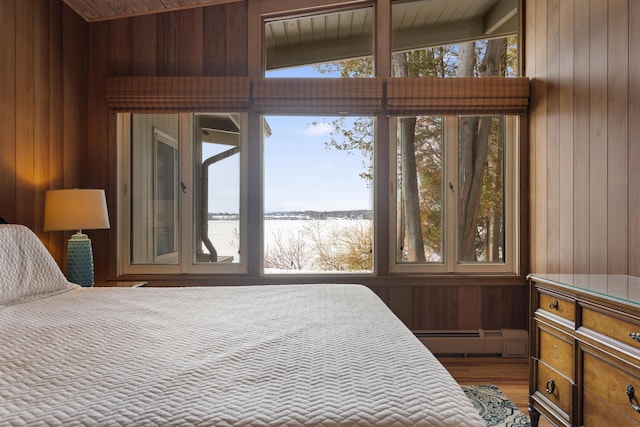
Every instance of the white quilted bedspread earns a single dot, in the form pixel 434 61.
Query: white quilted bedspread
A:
pixel 295 355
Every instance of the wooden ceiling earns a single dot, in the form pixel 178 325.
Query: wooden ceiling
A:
pixel 101 10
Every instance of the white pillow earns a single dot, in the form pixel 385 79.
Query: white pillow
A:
pixel 26 266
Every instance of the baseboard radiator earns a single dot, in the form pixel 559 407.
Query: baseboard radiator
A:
pixel 502 342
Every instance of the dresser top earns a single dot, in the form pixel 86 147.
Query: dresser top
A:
pixel 613 286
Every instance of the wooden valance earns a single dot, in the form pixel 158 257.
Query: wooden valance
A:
pixel 348 96
pixel 318 95
pixel 486 95
pixel 178 94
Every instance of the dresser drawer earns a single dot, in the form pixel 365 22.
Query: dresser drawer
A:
pixel 613 327
pixel 558 306
pixel 599 413
pixel 554 387
pixel 605 399
pixel 556 352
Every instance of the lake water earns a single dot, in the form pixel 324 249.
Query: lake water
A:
pixel 224 233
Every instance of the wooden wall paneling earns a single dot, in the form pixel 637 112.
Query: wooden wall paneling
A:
pixel 190 42
pixel 167 36
pixel 618 135
pixel 502 305
pixel 74 57
pixel 524 240
pixel 115 60
pixel 24 113
pixel 102 64
pixel 399 302
pixel 515 297
pixel 469 307
pixel 55 242
pixel 435 308
pixel 598 208
pixel 42 106
pixel 382 292
pixel 529 67
pixel 581 153
pixel 493 304
pixel 554 163
pixel 214 43
pixel 8 110
pixel 539 142
pixel 144 46
pixel 237 39
pixel 118 59
pixel 634 140
pixel 255 34
pixel 566 137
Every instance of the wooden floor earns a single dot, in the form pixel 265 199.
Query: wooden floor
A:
pixel 511 375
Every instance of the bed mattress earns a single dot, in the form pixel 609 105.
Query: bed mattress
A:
pixel 291 355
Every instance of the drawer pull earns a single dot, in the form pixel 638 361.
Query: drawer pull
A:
pixel 554 305
pixel 630 393
pixel 551 386
pixel 635 336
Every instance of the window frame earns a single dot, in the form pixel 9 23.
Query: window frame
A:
pixel 373 195
pixel 450 243
pixel 186 203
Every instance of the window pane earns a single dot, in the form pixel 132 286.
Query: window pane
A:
pixel 433 38
pixel 328 39
pixel 481 192
pixel 317 195
pixel 217 182
pixel 420 156
pixel 154 190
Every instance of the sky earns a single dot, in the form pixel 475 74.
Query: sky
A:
pixel 301 173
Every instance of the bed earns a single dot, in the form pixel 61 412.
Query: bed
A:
pixel 289 355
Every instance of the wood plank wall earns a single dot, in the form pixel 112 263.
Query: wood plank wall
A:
pixel 43 108
pixel 584 60
pixel 79 143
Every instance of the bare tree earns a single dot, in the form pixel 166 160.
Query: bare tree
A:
pixel 288 252
pixel 473 142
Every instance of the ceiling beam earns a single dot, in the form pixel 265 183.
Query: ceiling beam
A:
pixel 499 15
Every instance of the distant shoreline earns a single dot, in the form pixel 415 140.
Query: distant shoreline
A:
pixel 302 215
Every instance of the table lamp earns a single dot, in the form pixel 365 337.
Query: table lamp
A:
pixel 77 210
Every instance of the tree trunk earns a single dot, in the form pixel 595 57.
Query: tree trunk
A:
pixel 473 140
pixel 413 241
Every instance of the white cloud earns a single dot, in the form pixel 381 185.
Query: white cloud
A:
pixel 317 129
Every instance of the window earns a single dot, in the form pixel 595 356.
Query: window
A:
pixel 318 215
pixel 320 38
pixel 182 203
pixel 440 38
pixel 266 190
pixel 455 193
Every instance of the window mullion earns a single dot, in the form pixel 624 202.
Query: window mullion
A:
pixel 186 190
pixel 451 192
pixel 255 195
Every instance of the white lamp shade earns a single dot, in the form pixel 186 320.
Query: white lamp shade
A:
pixel 75 210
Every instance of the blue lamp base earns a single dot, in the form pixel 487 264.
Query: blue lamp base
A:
pixel 80 260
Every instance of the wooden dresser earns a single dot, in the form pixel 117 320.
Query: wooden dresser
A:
pixel 585 350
